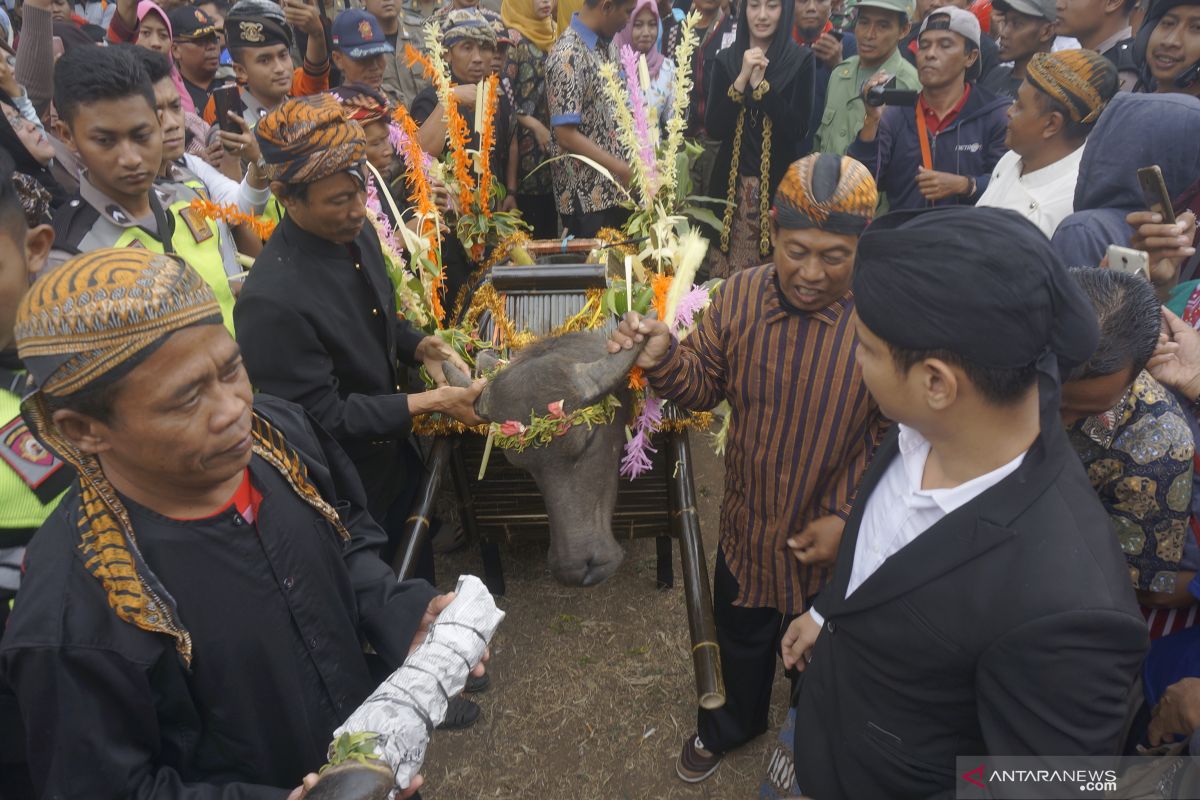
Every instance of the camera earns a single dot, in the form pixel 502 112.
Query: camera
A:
pixel 888 94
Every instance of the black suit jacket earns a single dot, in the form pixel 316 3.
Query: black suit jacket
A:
pixel 1007 628
pixel 317 325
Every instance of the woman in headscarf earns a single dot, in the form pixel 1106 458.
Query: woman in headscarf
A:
pixel 151 30
pixel 31 150
pixel 532 23
pixel 759 107
pixel 641 34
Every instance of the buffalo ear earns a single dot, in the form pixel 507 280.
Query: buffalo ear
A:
pixel 606 374
pixel 486 361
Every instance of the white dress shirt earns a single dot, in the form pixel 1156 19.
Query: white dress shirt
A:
pixel 1045 197
pixel 899 510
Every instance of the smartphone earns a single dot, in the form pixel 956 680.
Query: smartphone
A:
pixel 225 99
pixel 1154 191
pixel 1126 259
pixel 56 46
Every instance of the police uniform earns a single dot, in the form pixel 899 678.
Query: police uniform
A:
pixel 91 221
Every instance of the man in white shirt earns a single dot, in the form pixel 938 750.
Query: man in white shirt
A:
pixel 979 604
pixel 1057 104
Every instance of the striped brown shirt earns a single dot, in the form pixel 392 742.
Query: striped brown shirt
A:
pixel 802 430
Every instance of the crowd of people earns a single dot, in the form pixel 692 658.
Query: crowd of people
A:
pixel 956 321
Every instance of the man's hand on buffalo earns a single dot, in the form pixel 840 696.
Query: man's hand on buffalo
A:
pixel 634 329
pixel 433 352
pixel 451 401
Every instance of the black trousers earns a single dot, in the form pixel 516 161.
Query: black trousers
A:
pixel 15 781
pixel 541 212
pixel 749 641
pixel 586 226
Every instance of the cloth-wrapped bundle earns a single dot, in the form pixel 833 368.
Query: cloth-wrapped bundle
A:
pixel 401 714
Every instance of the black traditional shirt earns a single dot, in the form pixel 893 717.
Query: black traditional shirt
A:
pixel 278 611
pixel 317 325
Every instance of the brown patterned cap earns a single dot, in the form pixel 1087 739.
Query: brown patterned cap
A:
pixel 1083 81
pixel 101 313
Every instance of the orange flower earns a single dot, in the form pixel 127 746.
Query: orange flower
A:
pixel 487 140
pixel 231 215
pixel 413 56
pixel 637 379
pixel 435 299
pixel 420 192
pixel 460 136
pixel 662 285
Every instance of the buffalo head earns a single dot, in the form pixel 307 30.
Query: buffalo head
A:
pixel 577 471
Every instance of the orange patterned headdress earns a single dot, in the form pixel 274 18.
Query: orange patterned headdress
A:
pixel 825 191
pixel 310 138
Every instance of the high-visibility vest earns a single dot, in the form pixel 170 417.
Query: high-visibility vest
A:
pixel 20 507
pixel 203 256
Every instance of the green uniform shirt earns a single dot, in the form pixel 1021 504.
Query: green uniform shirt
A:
pixel 844 107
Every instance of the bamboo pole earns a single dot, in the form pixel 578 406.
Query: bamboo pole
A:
pixel 706 655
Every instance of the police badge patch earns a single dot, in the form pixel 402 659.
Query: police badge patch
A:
pixel 36 466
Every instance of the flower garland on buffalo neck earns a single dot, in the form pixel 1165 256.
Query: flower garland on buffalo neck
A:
pixel 542 429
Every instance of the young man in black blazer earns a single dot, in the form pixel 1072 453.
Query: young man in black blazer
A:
pixel 980 603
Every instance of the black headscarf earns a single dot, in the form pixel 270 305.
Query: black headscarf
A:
pixel 783 56
pixel 26 163
pixel 983 283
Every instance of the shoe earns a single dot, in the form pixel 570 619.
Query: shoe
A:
pixel 695 763
pixel 460 713
pixel 476 685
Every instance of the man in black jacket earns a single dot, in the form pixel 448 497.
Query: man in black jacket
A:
pixel 320 311
pixel 980 604
pixel 193 614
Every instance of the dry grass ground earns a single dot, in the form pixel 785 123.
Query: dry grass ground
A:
pixel 592 691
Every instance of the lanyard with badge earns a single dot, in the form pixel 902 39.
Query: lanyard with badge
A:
pixel 34 465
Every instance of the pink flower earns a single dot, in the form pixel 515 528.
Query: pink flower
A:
pixel 511 428
pixel 556 410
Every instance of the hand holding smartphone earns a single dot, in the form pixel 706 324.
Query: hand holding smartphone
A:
pixel 225 99
pixel 1154 191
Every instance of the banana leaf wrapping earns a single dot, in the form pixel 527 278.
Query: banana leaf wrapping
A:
pixel 401 714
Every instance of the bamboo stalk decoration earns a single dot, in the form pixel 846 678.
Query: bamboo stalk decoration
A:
pixel 706 655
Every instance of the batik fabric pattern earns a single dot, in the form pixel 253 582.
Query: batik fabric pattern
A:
pixel 526 71
pixel 1138 457
pixel 575 94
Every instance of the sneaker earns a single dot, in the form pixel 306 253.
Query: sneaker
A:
pixel 695 763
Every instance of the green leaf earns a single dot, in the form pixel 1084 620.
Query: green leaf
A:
pixel 705 216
